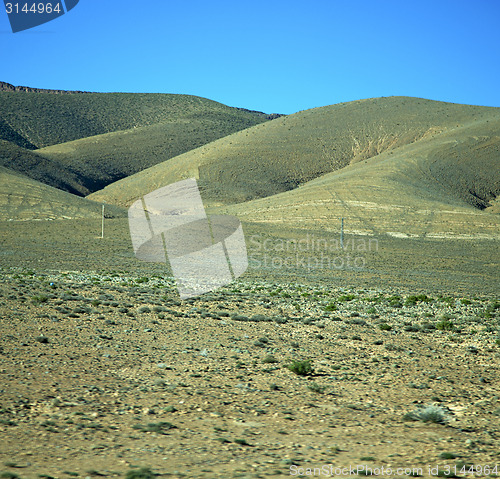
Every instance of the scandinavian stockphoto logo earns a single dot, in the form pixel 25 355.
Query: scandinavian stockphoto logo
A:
pixel 204 252
pixel 25 15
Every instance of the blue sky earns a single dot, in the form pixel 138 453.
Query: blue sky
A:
pixel 273 55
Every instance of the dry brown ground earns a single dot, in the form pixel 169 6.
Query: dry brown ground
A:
pixel 88 362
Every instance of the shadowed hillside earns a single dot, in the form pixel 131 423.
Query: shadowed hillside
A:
pixel 289 152
pixel 37 167
pixel 101 160
pixel 23 198
pixel 43 119
pixel 119 133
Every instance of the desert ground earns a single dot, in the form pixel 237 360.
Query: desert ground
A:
pixel 297 368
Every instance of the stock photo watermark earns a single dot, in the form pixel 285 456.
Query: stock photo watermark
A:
pixel 26 15
pixel 446 470
pixel 311 253
pixel 170 225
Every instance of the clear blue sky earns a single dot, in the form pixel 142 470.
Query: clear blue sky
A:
pixel 272 55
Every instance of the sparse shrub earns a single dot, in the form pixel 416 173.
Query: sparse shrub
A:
pixel 39 299
pixel 142 473
pixel 8 475
pixel 466 301
pixel 395 302
pixel 346 298
pixel 158 427
pixel 269 359
pixel 393 347
pixel 413 300
pixel 241 442
pixel 261 342
pixel 316 388
pixel 301 368
pixel 446 299
pixel 280 320
pixel 445 325
pixel 428 327
pixel 434 414
pixel 412 328
pixel 331 307
pixel 444 473
pixel 385 327
pixel 359 322
pixel 447 455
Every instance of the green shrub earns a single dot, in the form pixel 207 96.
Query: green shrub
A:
pixel 346 297
pixel 316 388
pixel 434 414
pixel 331 307
pixel 421 298
pixel 445 325
pixel 269 359
pixel 142 473
pixel 301 368
pixel 41 298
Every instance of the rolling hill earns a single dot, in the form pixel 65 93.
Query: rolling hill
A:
pixel 43 119
pixel 22 198
pixel 103 159
pixel 120 133
pixel 380 156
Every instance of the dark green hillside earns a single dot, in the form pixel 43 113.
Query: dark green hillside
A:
pixel 37 167
pixel 36 120
pixel 103 159
pixel 23 199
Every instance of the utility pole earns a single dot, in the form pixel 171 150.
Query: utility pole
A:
pixel 342 233
pixel 102 222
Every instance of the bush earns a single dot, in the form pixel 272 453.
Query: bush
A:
pixel 269 360
pixel 331 307
pixel 413 300
pixel 142 473
pixel 39 299
pixel 316 388
pixel 346 297
pixel 301 368
pixel 445 325
pixel 434 414
pixel 158 427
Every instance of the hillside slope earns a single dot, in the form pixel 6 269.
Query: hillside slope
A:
pixel 288 152
pixel 37 120
pixel 29 163
pixel 438 187
pixel 22 198
pixel 101 160
pixel 99 138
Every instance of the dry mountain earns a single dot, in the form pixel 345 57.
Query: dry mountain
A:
pixel 119 133
pixel 388 164
pixel 22 198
